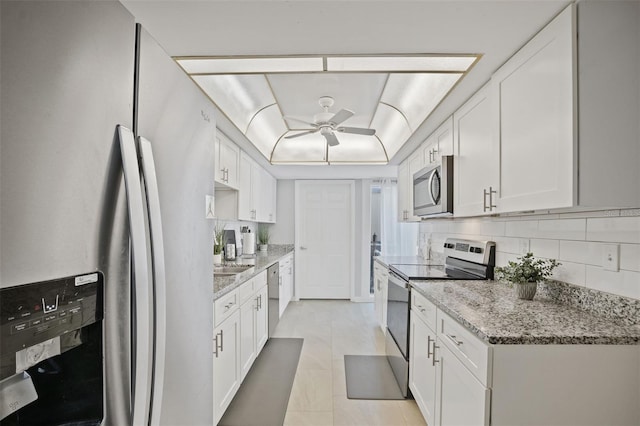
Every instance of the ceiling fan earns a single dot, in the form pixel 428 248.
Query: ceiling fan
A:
pixel 327 123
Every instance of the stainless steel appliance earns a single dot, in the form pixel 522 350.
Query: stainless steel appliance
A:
pixel 465 260
pixel 81 193
pixel 273 289
pixel 433 189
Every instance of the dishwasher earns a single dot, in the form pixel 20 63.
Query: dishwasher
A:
pixel 273 286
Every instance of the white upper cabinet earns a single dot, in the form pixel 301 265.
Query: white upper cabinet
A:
pixel 246 211
pixel 557 126
pixel 403 190
pixel 533 97
pixel 405 187
pixel 226 162
pixel 439 143
pixel 476 166
pixel 257 192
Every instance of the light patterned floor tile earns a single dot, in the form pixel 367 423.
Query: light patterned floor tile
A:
pixel 312 391
pixel 355 412
pixel 332 329
pixel 309 418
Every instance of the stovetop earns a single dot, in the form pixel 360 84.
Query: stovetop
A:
pixel 466 260
pixel 430 272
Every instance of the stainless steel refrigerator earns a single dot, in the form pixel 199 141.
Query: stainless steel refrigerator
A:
pixel 106 160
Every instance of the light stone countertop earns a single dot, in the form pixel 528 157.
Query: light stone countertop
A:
pixel 492 311
pixel 261 261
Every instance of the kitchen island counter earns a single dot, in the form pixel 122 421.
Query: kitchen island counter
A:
pixel 492 312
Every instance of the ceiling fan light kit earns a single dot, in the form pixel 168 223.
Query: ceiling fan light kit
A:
pixel 268 98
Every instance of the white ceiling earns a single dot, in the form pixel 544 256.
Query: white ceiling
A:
pixel 495 29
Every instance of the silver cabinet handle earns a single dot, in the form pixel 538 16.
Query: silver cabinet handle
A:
pixel 453 339
pixel 218 344
pixel 429 347
pixel 222 342
pixel 303 248
pixel 489 194
pixel 433 360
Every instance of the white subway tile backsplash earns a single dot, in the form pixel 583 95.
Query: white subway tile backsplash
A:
pixel 624 283
pixel 562 229
pixel 586 252
pixel 575 239
pixel 492 228
pixel 522 228
pixel 511 245
pixel 465 227
pixel 630 257
pixel 503 258
pixel 545 248
pixel 614 229
pixel 569 272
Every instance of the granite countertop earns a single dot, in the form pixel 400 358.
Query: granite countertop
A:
pixel 492 311
pixel 261 261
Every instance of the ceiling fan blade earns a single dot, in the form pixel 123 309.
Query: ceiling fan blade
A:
pixel 357 130
pixel 341 116
pixel 331 138
pixel 308 132
pixel 286 117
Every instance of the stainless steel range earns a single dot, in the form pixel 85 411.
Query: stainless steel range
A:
pixel 465 260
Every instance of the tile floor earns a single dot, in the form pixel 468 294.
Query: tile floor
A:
pixel 332 329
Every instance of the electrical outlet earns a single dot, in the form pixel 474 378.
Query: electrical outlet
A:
pixel 611 257
pixel 209 200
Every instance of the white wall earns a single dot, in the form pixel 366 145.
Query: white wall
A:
pixel 283 231
pixel 575 239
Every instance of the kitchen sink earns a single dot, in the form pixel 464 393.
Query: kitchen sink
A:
pixel 229 270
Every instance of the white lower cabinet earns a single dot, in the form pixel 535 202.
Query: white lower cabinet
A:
pixel 226 363
pixel 463 399
pixel 380 278
pixel 446 391
pixel 240 333
pixel 262 318
pixel 422 374
pixel 458 379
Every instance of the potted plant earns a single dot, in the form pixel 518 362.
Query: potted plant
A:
pixel 263 237
pixel 218 243
pixel 526 273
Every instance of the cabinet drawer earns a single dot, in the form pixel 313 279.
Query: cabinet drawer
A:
pixel 246 290
pixel 470 350
pixel 225 306
pixel 423 308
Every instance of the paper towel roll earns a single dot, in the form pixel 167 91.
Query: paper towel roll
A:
pixel 248 243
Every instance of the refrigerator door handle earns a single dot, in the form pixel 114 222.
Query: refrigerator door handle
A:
pixel 159 276
pixel 141 337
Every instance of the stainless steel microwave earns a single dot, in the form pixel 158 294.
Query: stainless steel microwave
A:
pixel 433 189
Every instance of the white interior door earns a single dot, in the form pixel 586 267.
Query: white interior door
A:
pixel 324 220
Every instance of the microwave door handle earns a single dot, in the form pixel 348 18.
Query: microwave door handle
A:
pixel 141 336
pixel 159 275
pixel 430 186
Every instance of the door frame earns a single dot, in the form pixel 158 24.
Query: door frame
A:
pixel 352 237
